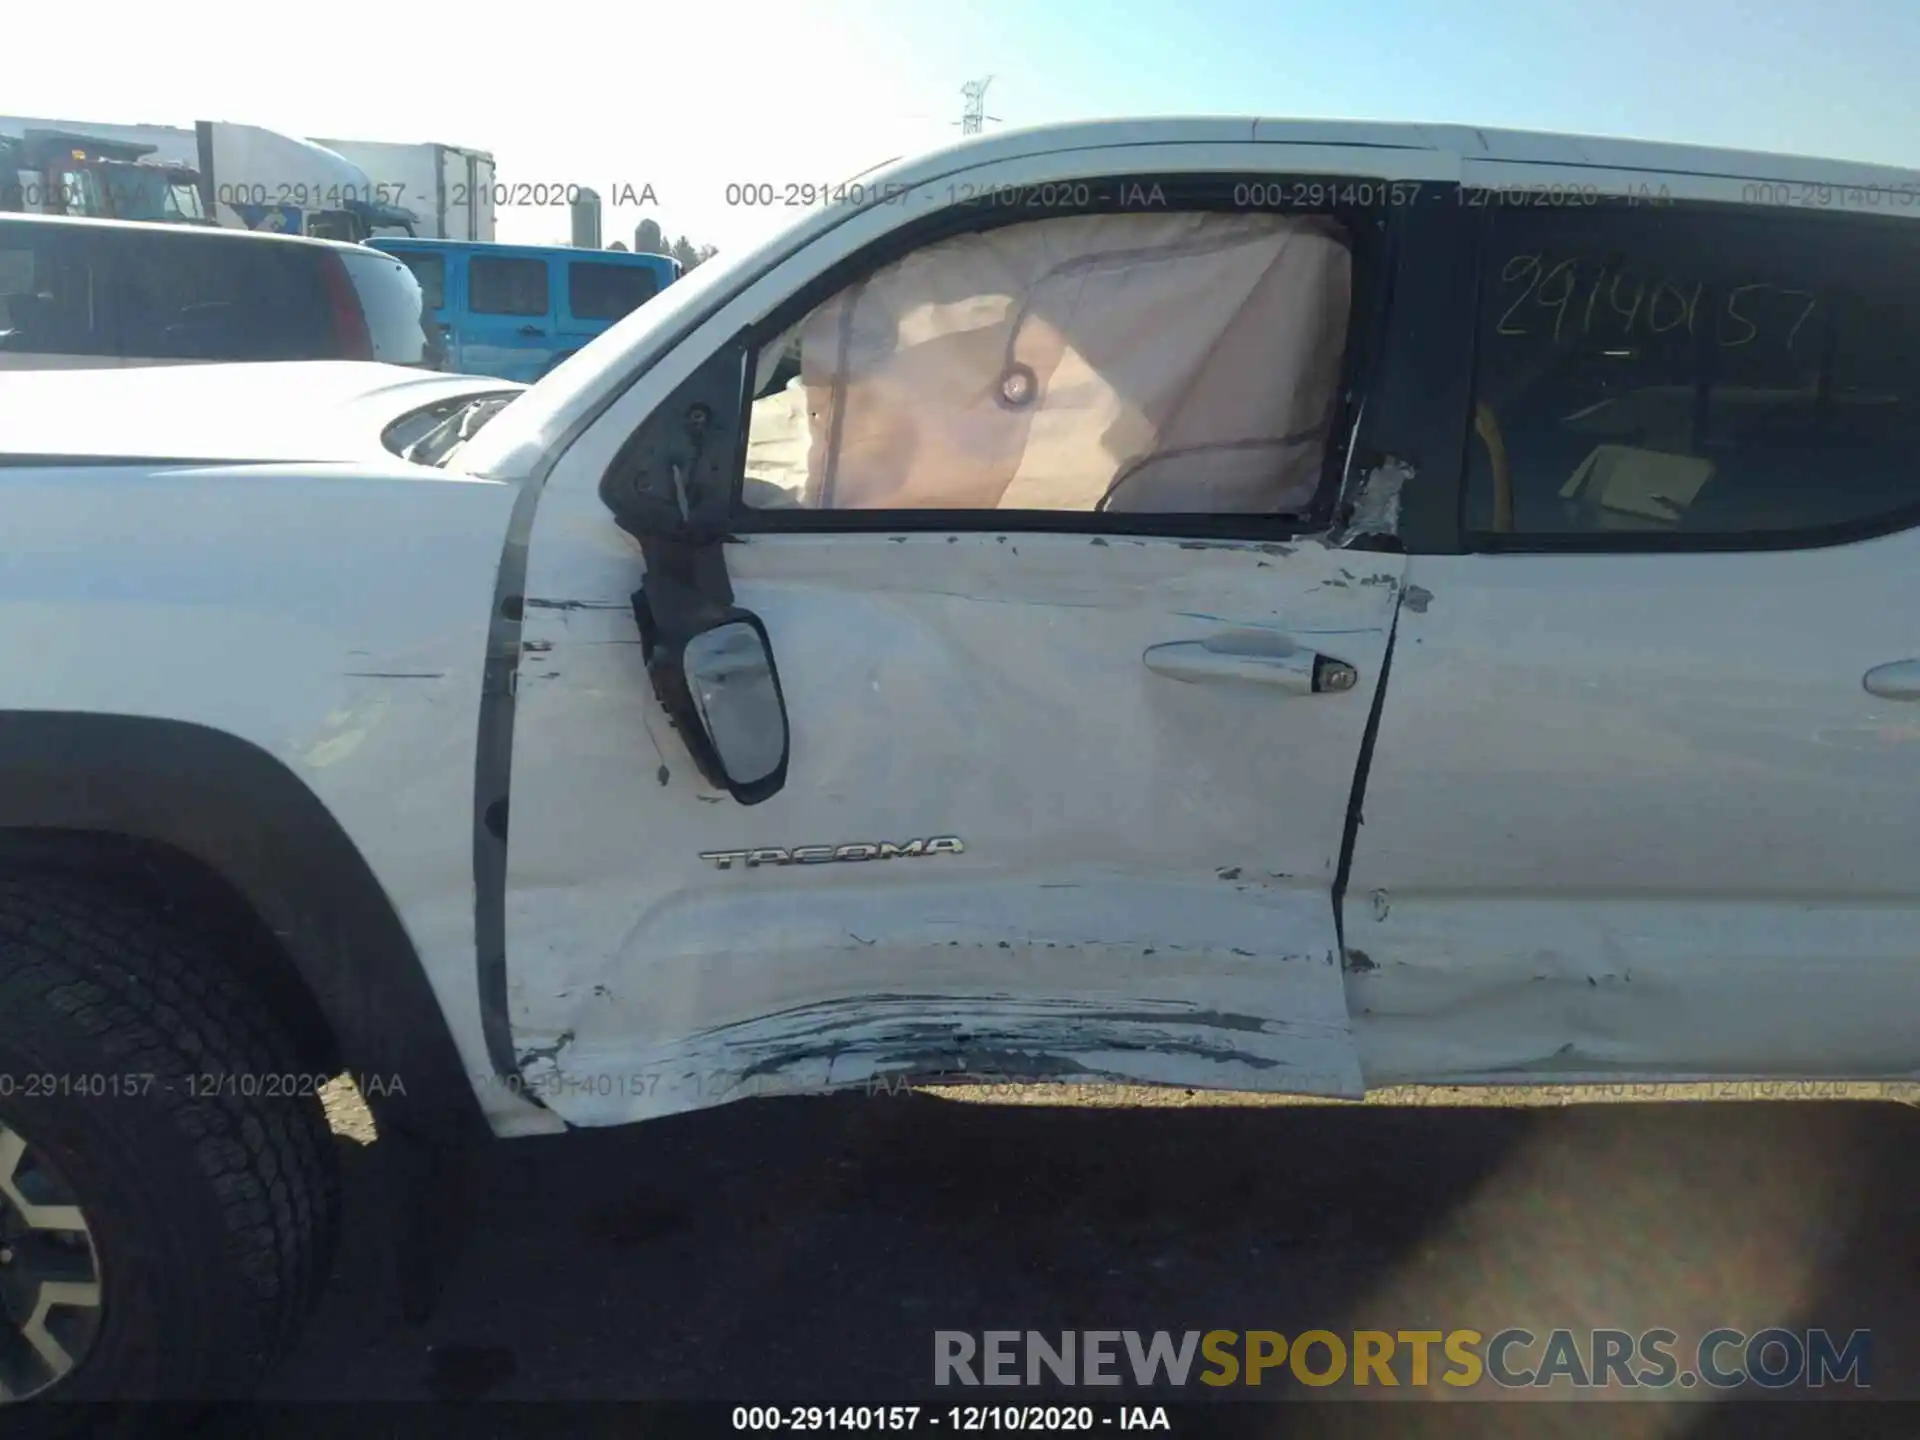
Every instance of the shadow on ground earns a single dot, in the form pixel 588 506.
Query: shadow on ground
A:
pixel 808 1249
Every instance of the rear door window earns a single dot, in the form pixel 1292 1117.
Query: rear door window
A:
pixel 51 300
pixel 431 272
pixel 192 295
pixel 1644 375
pixel 501 286
pixel 599 291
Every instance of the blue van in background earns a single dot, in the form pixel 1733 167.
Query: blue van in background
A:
pixel 516 311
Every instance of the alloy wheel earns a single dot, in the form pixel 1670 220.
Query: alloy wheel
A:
pixel 49 1273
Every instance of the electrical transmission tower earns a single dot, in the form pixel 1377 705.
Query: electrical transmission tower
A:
pixel 972 117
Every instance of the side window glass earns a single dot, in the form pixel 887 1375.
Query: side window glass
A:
pixel 1167 362
pixel 80 194
pixel 431 272
pixel 191 296
pixel 506 287
pixel 47 297
pixel 17 280
pixel 1651 373
pixel 598 291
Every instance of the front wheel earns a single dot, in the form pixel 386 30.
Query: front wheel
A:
pixel 50 1293
pixel 168 1191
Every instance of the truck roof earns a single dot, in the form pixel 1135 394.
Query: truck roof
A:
pixel 93 222
pixel 1463 154
pixel 335 144
pixel 1466 142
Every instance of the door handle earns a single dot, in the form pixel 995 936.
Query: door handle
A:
pixel 531 330
pixel 1898 681
pixel 1258 657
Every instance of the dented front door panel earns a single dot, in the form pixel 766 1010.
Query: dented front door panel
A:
pixel 1008 847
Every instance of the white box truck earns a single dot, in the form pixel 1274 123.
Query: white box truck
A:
pixel 449 187
pixel 248 177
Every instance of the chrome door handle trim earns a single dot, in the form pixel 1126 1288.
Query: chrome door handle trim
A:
pixel 1260 658
pixel 1899 680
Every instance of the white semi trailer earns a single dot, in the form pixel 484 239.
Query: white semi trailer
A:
pixel 449 188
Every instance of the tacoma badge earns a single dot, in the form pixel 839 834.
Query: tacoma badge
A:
pixel 815 854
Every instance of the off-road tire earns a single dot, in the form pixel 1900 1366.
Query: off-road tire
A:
pixel 172 1101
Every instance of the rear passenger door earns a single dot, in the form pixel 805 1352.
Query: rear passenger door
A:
pixel 509 330
pixel 1646 794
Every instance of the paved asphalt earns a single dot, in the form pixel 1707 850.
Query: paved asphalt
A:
pixel 807 1248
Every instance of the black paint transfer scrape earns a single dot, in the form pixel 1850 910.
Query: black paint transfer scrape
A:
pixel 493 774
pixel 1357 800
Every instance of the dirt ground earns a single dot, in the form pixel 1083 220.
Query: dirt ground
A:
pixel 807 1249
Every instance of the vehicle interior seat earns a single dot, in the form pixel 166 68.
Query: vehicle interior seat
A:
pixel 1183 362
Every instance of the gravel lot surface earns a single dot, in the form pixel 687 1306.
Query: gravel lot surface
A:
pixel 807 1248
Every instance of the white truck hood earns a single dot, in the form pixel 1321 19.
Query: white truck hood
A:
pixel 321 410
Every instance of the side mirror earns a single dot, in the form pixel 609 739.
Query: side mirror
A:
pixel 724 695
pixel 674 478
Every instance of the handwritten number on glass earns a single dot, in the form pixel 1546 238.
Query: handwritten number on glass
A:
pixel 1657 308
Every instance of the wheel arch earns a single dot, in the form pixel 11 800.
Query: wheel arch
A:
pixel 191 816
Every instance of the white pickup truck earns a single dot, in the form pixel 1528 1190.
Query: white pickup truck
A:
pixel 1220 603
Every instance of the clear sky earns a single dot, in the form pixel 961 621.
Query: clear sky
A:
pixel 690 97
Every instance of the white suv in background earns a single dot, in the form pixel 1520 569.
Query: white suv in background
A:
pixel 87 293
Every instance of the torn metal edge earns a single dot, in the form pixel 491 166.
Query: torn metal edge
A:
pixel 1375 508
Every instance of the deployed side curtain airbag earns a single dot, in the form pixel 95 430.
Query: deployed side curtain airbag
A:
pixel 1165 362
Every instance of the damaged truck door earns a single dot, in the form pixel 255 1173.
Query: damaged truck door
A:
pixel 710 662
pixel 999 681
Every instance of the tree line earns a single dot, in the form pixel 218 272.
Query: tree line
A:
pixel 649 239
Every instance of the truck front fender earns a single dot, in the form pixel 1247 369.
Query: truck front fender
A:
pixel 77 789
pixel 216 824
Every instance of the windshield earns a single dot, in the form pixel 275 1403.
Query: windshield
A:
pixel 147 192
pixel 183 201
